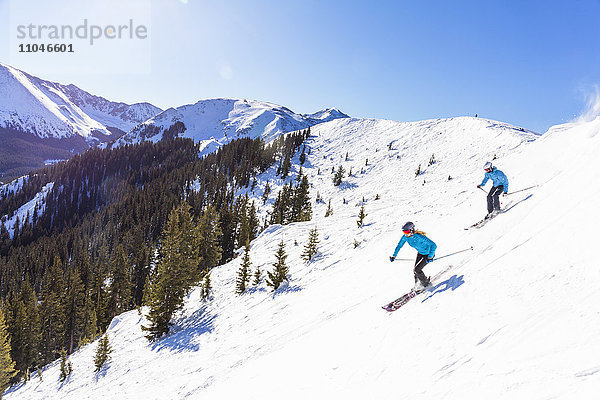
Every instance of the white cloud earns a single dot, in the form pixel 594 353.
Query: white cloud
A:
pixel 592 105
pixel 226 71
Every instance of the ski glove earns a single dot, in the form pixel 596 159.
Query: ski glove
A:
pixel 478 186
pixel 392 258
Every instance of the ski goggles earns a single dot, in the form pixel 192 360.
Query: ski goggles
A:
pixel 488 170
pixel 406 232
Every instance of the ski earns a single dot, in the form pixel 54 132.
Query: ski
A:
pixel 402 300
pixel 491 216
pixel 482 222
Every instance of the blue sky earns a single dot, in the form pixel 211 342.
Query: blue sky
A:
pixel 530 63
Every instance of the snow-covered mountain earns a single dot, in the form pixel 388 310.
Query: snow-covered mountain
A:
pixel 52 110
pixel 515 318
pixel 214 122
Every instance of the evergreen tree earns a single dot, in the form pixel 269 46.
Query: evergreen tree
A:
pixel 15 320
pixel 286 166
pixel 209 235
pixel 120 284
pixel 266 192
pixel 206 287
pixel 338 176
pixel 32 324
pixel 282 206
pixel 74 309
pixel 147 291
pixel 311 247
pixel 177 271
pixel 253 222
pixel 65 366
pixel 329 210
pixel 7 365
pixel 279 274
pixel 244 272
pixel 361 216
pixel 302 208
pixel 102 352
pixel 244 225
pixel 257 275
pixel 52 312
pixel 90 324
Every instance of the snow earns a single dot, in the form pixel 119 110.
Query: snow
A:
pixel 13 187
pixel 514 318
pixel 39 200
pixel 52 110
pixel 214 122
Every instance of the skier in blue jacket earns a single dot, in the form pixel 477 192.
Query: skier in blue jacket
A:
pixel 500 184
pixel 426 252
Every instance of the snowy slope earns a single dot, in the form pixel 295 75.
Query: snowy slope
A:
pixel 38 203
pixel 214 122
pixel 514 318
pixel 52 110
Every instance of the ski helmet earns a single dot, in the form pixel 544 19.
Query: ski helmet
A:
pixel 409 226
pixel 488 166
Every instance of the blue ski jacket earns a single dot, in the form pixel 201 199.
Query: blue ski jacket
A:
pixel 421 243
pixel 498 178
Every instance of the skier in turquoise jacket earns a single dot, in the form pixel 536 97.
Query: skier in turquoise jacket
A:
pixel 426 252
pixel 500 184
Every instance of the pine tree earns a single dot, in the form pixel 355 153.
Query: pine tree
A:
pixel 177 271
pixel 120 284
pixel 206 287
pixel 15 320
pixel 311 247
pixel 279 274
pixel 74 309
pixel 7 365
pixel 147 291
pixel 210 233
pixel 266 192
pixel 32 333
pixel 329 210
pixel 432 160
pixel 65 366
pixel 244 272
pixel 52 312
pixel 253 222
pixel 361 216
pixel 338 176
pixel 102 352
pixel 286 166
pixel 90 324
pixel 257 275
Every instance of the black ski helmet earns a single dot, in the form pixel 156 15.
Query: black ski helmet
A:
pixel 409 226
pixel 488 166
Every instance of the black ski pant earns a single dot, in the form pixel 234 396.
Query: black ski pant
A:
pixel 420 263
pixel 493 198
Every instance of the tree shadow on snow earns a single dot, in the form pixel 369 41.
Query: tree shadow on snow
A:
pixel 454 282
pixel 183 337
pixel 286 289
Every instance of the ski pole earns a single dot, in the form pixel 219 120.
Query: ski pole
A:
pixel 437 258
pixel 451 254
pixel 517 191
pixel 482 189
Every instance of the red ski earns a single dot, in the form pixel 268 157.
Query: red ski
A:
pixel 402 300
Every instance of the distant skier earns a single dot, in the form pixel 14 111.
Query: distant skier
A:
pixel 500 184
pixel 426 252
